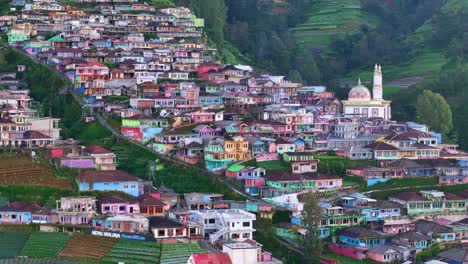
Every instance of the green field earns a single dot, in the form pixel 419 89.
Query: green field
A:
pixel 129 251
pixel 11 243
pixel 405 182
pixel 44 245
pixel 275 165
pixel 330 17
pixel 178 253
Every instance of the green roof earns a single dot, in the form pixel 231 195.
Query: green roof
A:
pixel 56 39
pixel 236 167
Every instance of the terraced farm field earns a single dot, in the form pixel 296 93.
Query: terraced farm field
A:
pixel 11 243
pixel 330 17
pixel 45 245
pixel 178 253
pixel 129 251
pixel 87 247
pixel 22 171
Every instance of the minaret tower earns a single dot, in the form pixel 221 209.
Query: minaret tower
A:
pixel 377 88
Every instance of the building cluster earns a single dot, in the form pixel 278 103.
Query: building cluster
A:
pixel 152 69
pixel 22 126
pixel 389 231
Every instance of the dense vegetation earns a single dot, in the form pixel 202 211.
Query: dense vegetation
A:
pixel 333 42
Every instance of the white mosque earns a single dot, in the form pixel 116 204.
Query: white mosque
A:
pixel 361 103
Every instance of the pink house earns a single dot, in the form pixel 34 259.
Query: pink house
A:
pixel 387 254
pixel 254 182
pixel 203 117
pixel 116 205
pixel 207 131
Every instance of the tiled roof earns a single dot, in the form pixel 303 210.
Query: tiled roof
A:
pixel 148 199
pixel 111 199
pixel 380 146
pixel 414 236
pixel 360 232
pixel 162 222
pixel 409 196
pixel 95 149
pixel 31 134
pixel 106 176
pixel 212 258
pixel 427 227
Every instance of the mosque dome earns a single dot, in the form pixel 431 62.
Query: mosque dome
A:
pixel 359 92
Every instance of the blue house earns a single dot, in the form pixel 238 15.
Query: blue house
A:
pixel 358 236
pixel 111 181
pixel 413 240
pixel 17 213
pixel 102 43
pixel 436 231
pixel 207 99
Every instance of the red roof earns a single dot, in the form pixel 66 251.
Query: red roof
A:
pixel 106 176
pixel 95 149
pixel 95 64
pixel 212 258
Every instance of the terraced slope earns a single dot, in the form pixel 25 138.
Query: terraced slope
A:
pixel 130 252
pixel 178 253
pixel 87 247
pixel 44 245
pixel 22 171
pixel 330 17
pixel 11 243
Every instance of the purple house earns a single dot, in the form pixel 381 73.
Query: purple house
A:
pixel 207 131
pixel 116 205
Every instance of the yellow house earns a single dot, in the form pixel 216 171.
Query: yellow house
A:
pixel 237 148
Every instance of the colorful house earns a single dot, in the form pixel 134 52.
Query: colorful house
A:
pixel 361 237
pixel 103 158
pixel 301 162
pixel 76 210
pixel 415 241
pixel 110 181
pixel 17 213
pixel 202 117
pixel 115 205
pixel 430 202
pixel 388 254
pixel 151 204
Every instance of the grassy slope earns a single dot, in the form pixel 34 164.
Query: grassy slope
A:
pixel 330 17
pixel 425 64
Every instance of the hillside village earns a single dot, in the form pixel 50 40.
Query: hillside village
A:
pixel 151 73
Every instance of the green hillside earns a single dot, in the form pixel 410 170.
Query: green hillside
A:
pixel 329 17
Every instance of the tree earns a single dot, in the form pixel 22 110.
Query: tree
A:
pixel 2 59
pixel 295 76
pixel 311 218
pixel 214 13
pixel 433 110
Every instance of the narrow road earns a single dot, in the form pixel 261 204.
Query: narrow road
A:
pixel 401 188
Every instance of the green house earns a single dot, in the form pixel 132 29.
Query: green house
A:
pixel 17 37
pixel 289 182
pixel 297 156
pixel 144 121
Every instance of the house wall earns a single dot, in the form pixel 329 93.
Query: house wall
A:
pixel 77 163
pixel 116 209
pixel 266 157
pixel 15 217
pixel 132 188
pixel 348 251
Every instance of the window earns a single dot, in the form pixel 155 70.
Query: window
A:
pixel 13 216
pixel 211 221
pixel 246 224
pixel 106 208
pixel 121 208
pixel 161 233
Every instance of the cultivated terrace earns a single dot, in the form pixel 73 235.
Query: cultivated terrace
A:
pixel 390 191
